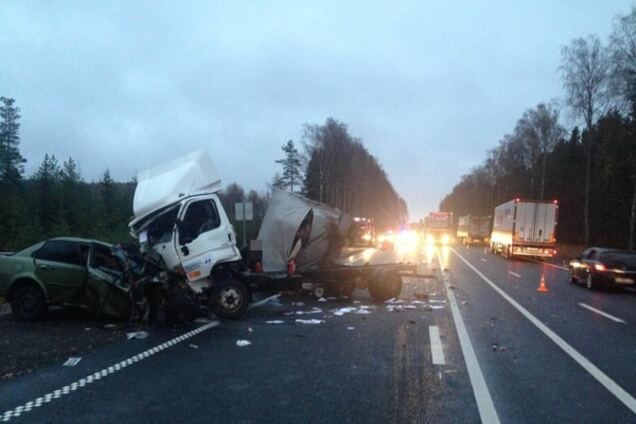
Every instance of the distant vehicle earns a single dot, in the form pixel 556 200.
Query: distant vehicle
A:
pixel 525 228
pixel 473 229
pixel 601 267
pixel 387 239
pixel 438 228
pixel 64 271
pixel 363 232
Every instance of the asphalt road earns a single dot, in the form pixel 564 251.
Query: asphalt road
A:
pixel 482 345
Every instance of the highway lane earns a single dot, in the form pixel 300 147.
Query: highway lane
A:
pixel 534 373
pixel 399 362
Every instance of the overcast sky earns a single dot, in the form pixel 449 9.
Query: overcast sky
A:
pixel 428 86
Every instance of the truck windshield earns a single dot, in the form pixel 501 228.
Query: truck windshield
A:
pixel 160 230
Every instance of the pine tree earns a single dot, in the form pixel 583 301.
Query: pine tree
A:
pixel 11 161
pixel 48 202
pixel 12 214
pixel 292 174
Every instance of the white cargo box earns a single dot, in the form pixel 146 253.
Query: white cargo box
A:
pixel 170 182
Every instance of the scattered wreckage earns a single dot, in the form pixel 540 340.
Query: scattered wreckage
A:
pixel 188 256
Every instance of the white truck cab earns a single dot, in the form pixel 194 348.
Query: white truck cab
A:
pixel 179 215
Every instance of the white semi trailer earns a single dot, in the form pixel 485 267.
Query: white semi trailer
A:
pixel 525 228
pixel 473 229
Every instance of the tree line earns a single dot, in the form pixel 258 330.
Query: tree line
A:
pixel 590 170
pixel 56 201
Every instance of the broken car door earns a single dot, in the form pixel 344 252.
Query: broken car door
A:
pixel 106 291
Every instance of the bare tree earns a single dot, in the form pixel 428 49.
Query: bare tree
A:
pixel 585 69
pixel 623 85
pixel 539 128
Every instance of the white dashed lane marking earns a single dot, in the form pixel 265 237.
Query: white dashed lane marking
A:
pixel 514 274
pixel 605 314
pixel 437 353
pixel 82 382
pixel 484 259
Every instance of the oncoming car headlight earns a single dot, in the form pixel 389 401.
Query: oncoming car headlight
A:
pixel 445 239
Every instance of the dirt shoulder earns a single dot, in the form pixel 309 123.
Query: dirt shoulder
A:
pixel 28 346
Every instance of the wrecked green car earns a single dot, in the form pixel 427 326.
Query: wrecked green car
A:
pixel 66 272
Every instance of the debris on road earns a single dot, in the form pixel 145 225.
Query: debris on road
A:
pixel 72 361
pixel 137 335
pixel 312 311
pixel 340 312
pixel 242 343
pixel 309 321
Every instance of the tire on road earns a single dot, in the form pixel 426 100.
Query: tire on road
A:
pixel 230 299
pixel 346 288
pixel 28 302
pixel 573 279
pixel 385 284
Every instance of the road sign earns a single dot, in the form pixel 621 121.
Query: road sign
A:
pixel 243 211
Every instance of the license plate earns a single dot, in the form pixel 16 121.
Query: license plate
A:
pixel 622 280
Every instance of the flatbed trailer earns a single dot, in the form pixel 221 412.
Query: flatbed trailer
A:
pixel 384 281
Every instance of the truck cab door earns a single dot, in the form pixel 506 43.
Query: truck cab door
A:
pixel 204 237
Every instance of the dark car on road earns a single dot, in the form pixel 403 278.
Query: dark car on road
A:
pixel 602 267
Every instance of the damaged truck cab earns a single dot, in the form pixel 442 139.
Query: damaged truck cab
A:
pixel 179 216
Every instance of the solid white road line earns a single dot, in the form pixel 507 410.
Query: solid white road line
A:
pixel 605 314
pixel 484 259
pixel 264 301
pixel 485 405
pixel 514 274
pixel 620 393
pixel 437 353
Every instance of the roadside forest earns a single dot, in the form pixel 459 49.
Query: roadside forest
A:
pixel 589 168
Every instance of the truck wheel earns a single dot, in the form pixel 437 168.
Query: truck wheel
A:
pixel 28 303
pixel 385 285
pixel 346 288
pixel 230 299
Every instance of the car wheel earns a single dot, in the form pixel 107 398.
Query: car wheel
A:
pixel 590 283
pixel 573 279
pixel 230 299
pixel 28 303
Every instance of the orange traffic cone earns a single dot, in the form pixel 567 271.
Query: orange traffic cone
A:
pixel 542 287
